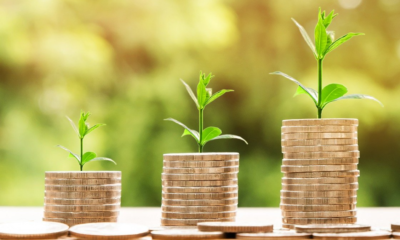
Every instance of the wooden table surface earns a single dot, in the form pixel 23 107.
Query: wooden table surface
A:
pixel 379 218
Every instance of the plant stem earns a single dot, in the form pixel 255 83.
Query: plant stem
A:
pixel 319 87
pixel 81 153
pixel 201 130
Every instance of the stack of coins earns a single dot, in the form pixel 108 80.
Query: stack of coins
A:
pixel 320 181
pixel 199 187
pixel 82 197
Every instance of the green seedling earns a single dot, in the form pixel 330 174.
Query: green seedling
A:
pixel 324 44
pixel 83 130
pixel 204 97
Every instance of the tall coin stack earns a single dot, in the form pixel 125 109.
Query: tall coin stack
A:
pixel 82 197
pixel 320 181
pixel 199 187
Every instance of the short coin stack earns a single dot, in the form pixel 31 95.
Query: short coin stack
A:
pixel 199 187
pixel 82 197
pixel 320 181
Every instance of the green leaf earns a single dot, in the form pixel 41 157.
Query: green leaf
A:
pixel 340 41
pixel 191 93
pixel 93 128
pixel 217 95
pixel 306 38
pixel 202 95
pixel 71 153
pixel 302 91
pixel 332 92
pixel 210 133
pixel 102 159
pixel 330 37
pixel 310 92
pixel 229 136
pixel 204 79
pixel 328 19
pixel 82 124
pixel 320 37
pixel 358 96
pixel 193 133
pixel 87 157
pixel 73 125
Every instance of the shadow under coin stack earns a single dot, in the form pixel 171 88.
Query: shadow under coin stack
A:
pixel 82 197
pixel 199 187
pixel 320 181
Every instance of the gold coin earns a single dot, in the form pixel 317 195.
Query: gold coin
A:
pixel 83 174
pixel 235 227
pixel 320 148
pixel 289 226
pixel 316 208
pixel 332 228
pixel 323 214
pixel 320 122
pixel 354 173
pixel 191 222
pixel 202 177
pixel 318 180
pixel 319 155
pixel 83 188
pixel 233 170
pixel 81 208
pixel 353 235
pixel 109 231
pixel 186 234
pixel 75 221
pixel 319 194
pixel 319 201
pixel 320 187
pixel 274 235
pixel 221 189
pixel 395 227
pixel 324 161
pixel 194 215
pixel 199 195
pixel 102 214
pixel 66 201
pixel 396 235
pixel 317 142
pixel 199 183
pixel 189 209
pixel 201 156
pixel 331 220
pixel 320 128
pixel 318 168
pixel 31 230
pixel 296 136
pixel 89 195
pixel 208 202
pixel 200 164
pixel 84 181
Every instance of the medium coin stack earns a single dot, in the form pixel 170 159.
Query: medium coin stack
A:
pixel 199 187
pixel 320 181
pixel 82 197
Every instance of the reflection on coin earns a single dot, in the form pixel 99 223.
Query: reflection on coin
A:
pixel 296 136
pixel 318 155
pixel 32 230
pixel 354 173
pixel 235 227
pixel 83 174
pixel 189 209
pixel 315 208
pixel 193 215
pixel 74 221
pixel 318 180
pixel 81 208
pixel 201 156
pixel 319 201
pixel 109 231
pixel 186 234
pixel 66 201
pixel 82 181
pixel 230 188
pixel 320 187
pixel 316 142
pixel 192 196
pixel 323 161
pixel 331 220
pixel 90 195
pixel 319 194
pixel 274 235
pixel 331 214
pixel 200 164
pixel 319 168
pixel 320 122
pixel 320 148
pixel 191 222
pixel 207 202
pixel 354 235
pixel 321 128
pixel 232 170
pixel 332 228
pixel 83 188
pixel 396 235
pixel 102 214
pixel 202 177
pixel 199 183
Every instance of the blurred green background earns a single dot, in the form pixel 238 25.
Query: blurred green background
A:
pixel 122 61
